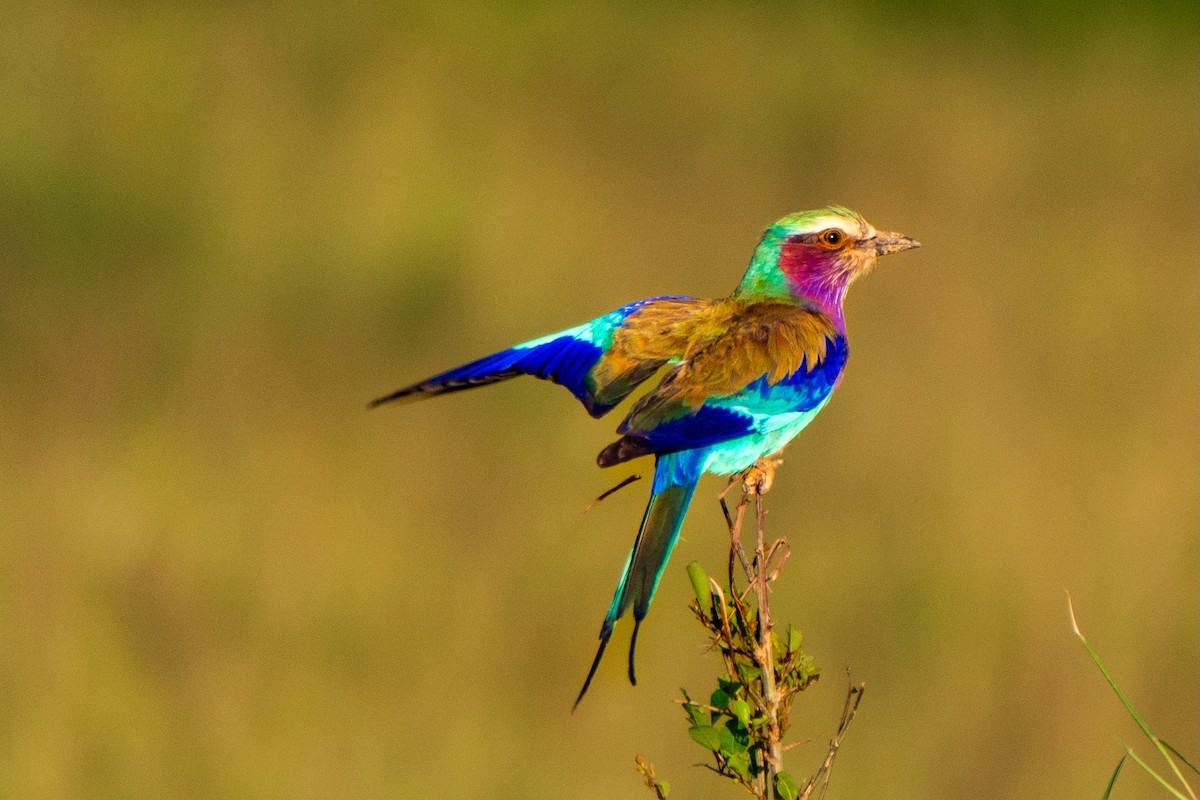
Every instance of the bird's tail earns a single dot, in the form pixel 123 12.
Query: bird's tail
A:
pixel 644 567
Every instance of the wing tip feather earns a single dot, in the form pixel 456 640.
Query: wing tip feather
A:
pixel 623 449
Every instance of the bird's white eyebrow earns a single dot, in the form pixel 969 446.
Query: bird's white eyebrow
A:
pixel 847 227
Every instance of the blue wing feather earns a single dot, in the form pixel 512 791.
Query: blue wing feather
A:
pixel 566 358
pixel 759 408
pixel 710 424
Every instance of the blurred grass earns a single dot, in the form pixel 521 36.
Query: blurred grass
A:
pixel 224 228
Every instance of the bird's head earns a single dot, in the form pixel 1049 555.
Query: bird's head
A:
pixel 816 255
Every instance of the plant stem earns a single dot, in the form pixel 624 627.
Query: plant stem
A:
pixel 757 574
pixel 763 654
pixel 744 725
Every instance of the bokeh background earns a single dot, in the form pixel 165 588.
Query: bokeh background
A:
pixel 225 227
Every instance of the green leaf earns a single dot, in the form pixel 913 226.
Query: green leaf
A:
pixel 740 733
pixel 1133 713
pixel 697 715
pixel 795 639
pixel 739 763
pixel 729 742
pixel 785 787
pixel 1113 780
pixel 700 586
pixel 1181 756
pixel 706 736
pixel 1108 677
pixel 663 787
pixel 1150 771
pixel 748 673
pixel 741 710
pixel 719 699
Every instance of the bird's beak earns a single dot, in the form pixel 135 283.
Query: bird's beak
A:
pixel 887 242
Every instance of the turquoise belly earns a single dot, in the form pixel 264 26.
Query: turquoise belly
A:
pixel 730 457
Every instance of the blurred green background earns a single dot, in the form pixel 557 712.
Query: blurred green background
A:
pixel 225 227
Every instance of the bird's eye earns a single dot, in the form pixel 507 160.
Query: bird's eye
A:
pixel 832 237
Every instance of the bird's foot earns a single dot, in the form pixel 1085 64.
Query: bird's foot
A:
pixel 759 478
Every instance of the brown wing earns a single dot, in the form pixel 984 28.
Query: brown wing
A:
pixel 647 339
pixel 729 348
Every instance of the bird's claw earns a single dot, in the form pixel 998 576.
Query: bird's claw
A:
pixel 759 478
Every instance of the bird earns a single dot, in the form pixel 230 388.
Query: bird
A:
pixel 741 376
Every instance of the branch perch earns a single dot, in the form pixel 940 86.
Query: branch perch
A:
pixel 745 720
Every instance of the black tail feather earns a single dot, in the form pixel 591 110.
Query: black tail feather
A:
pixel 637 624
pixel 605 635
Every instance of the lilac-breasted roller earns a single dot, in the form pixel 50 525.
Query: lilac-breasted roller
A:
pixel 744 375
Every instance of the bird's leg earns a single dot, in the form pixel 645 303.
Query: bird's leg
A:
pixel 759 478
